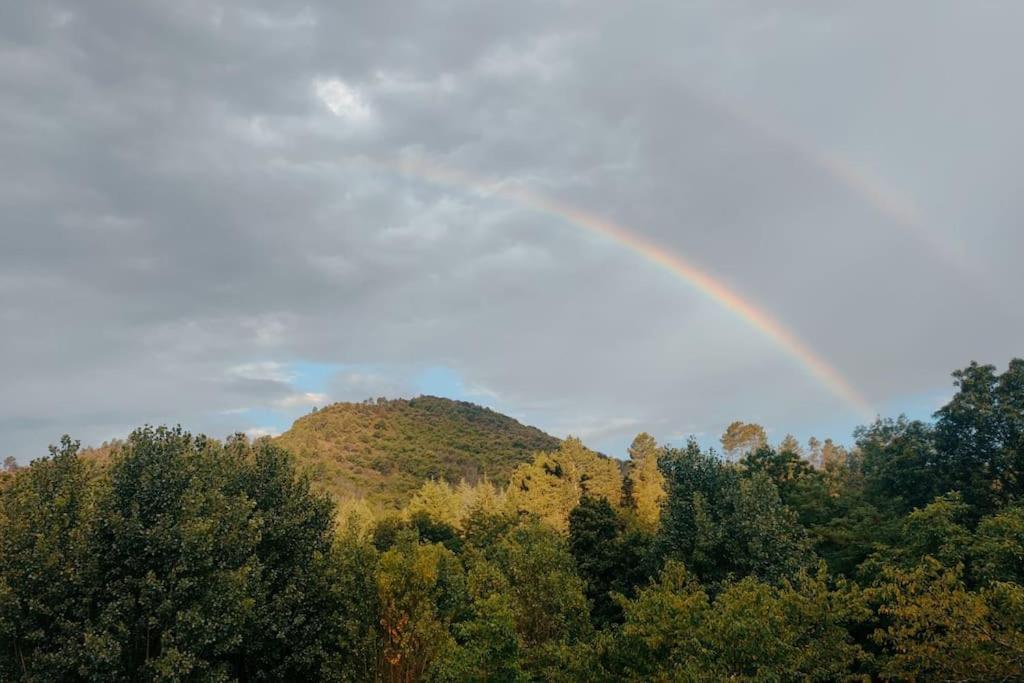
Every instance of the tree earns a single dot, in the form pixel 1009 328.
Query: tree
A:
pixel 997 548
pixel 900 463
pixel 357 649
pixel 979 435
pixel 661 631
pixel 552 485
pixel 647 483
pixel 722 524
pixel 422 593
pixel 933 628
pixel 187 559
pixel 546 595
pixel 937 531
pixel 439 501
pixel 795 631
pixel 789 444
pixel 751 631
pixel 488 647
pixel 741 438
pixel 609 557
pixel 46 518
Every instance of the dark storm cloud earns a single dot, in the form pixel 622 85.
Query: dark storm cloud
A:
pixel 192 199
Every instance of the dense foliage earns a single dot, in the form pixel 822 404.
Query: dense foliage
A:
pixel 183 558
pixel 384 450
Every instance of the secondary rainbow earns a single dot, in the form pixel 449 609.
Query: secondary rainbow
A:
pixel 815 365
pixel 900 210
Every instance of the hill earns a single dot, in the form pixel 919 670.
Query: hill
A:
pixel 384 450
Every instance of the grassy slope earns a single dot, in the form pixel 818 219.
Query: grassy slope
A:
pixel 384 451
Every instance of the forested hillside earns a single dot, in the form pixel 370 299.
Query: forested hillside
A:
pixel 383 450
pixel 185 558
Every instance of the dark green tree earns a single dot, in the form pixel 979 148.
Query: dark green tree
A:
pixel 188 559
pixel 724 525
pixel 47 513
pixel 901 469
pixel 610 557
pixel 979 435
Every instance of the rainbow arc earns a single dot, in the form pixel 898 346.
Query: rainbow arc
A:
pixel 826 374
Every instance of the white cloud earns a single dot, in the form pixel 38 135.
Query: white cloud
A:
pixel 258 432
pixel 262 370
pixel 308 398
pixel 343 101
pixel 601 427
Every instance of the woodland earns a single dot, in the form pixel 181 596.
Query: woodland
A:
pixel 177 557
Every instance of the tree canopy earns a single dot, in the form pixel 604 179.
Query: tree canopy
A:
pixel 177 557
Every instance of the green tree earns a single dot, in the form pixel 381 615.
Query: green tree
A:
pixel 356 651
pixel 422 592
pixel 752 631
pixel 799 485
pixel 979 435
pixel 938 530
pixel 47 513
pixel 933 628
pixel 609 557
pixel 997 547
pixel 187 559
pixel 796 631
pixel 488 646
pixel 900 463
pixel 546 595
pixel 723 525
pixel 661 632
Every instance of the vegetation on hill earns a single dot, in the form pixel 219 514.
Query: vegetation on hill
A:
pixel 183 558
pixel 384 450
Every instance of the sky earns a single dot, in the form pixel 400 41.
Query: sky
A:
pixel 223 215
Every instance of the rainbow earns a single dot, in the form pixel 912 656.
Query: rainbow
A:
pixel 714 289
pixel 898 209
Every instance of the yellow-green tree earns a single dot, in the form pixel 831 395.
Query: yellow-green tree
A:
pixel 751 631
pixel 421 587
pixel 551 485
pixel 647 483
pixel 741 438
pixel 439 501
pixel 935 629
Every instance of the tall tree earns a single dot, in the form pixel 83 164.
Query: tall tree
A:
pixel 552 484
pixel 789 444
pixel 979 435
pixel 609 557
pixel 547 596
pixel 741 438
pixel 47 514
pixel 646 480
pixel 422 593
pixel 722 524
pixel 900 463
pixel 196 560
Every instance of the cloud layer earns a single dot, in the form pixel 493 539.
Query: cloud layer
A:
pixel 200 203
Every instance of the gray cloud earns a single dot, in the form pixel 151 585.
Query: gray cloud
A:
pixel 178 202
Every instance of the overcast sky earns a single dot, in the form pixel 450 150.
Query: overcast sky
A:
pixel 203 219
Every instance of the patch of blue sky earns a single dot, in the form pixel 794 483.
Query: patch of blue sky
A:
pixel 438 380
pixel 310 377
pixel 919 406
pixel 275 421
